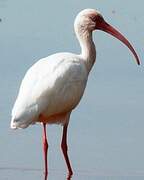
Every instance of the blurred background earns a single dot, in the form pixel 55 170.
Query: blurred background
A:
pixel 106 130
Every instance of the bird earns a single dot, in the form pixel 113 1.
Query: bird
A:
pixel 54 85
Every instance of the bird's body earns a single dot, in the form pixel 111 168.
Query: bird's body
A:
pixel 53 86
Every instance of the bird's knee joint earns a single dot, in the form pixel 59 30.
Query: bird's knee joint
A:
pixel 45 144
pixel 64 147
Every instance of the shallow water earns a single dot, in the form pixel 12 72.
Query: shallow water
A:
pixel 36 174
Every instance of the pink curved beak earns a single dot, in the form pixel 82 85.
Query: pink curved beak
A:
pixel 104 26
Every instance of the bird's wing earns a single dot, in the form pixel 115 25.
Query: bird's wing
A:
pixel 51 82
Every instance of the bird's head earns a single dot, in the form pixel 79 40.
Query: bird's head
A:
pixel 89 20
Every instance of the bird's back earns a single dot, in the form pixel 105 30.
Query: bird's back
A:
pixel 52 85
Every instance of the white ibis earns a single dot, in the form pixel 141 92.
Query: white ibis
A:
pixel 54 85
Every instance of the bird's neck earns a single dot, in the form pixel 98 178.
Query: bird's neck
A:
pixel 88 50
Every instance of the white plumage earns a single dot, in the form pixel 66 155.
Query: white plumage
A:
pixel 53 86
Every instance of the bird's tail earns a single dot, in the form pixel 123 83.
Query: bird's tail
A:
pixel 17 124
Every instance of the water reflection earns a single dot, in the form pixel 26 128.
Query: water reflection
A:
pixel 23 173
pixel 45 176
pixel 68 177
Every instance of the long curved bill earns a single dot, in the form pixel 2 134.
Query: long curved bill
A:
pixel 104 26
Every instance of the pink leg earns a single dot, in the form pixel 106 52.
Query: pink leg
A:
pixel 65 149
pixel 45 149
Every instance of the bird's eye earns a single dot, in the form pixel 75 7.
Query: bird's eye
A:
pixel 97 18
